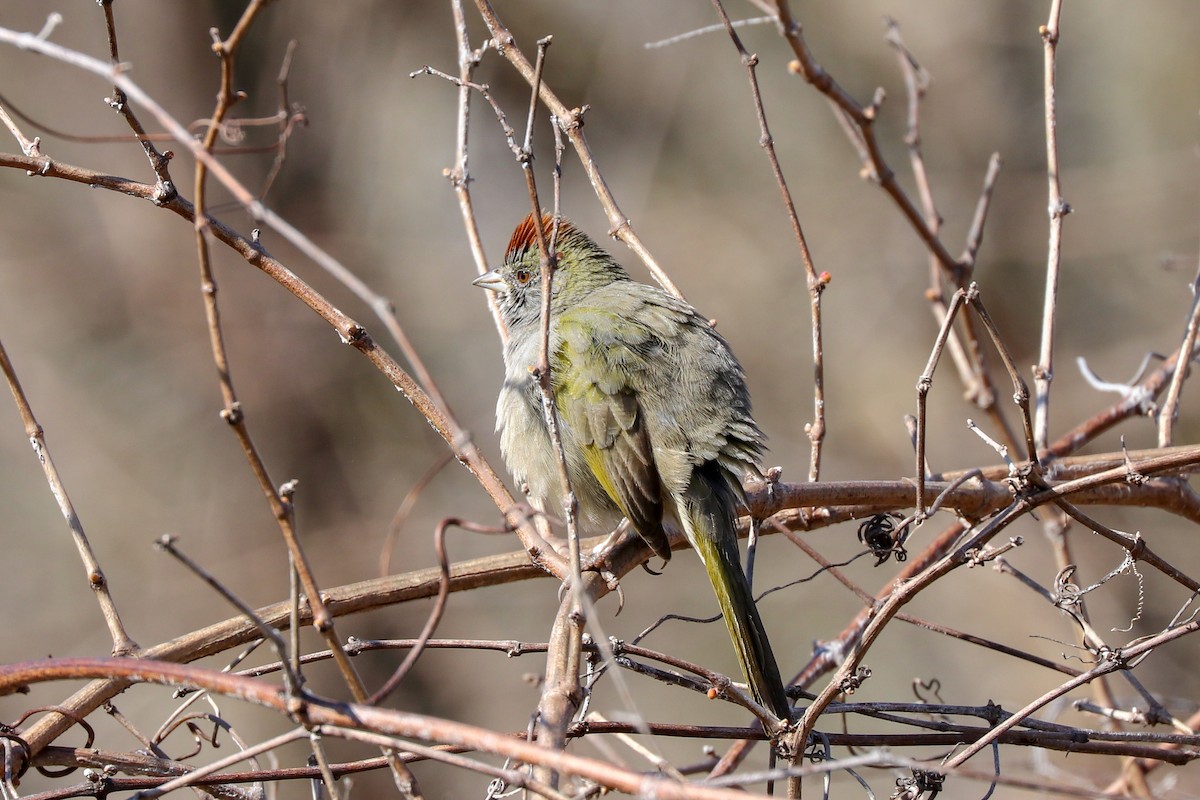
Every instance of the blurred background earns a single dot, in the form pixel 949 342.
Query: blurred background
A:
pixel 101 314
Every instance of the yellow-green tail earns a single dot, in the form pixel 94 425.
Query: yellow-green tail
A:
pixel 708 514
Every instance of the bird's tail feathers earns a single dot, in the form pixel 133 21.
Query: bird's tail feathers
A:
pixel 707 513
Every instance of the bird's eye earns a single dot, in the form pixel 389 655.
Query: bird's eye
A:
pixel 522 276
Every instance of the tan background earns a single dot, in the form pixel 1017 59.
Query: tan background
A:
pixel 100 312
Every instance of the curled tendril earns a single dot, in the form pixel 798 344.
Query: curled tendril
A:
pixel 881 534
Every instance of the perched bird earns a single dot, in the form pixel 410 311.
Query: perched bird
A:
pixel 654 417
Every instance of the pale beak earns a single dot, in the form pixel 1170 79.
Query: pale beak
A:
pixel 491 281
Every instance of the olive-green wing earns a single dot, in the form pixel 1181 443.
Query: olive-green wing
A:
pixel 595 398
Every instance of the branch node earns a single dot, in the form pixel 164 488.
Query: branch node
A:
pixel 574 119
pixel 1060 209
pixel 233 413
pixel 164 192
pixel 852 683
pixel 287 490
pixel 354 335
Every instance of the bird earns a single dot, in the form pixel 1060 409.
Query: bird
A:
pixel 653 412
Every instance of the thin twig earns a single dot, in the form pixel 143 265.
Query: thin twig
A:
pixel 291 679
pixel 30 147
pixel 406 507
pixel 286 118
pixel 123 645
pixel 707 29
pixel 916 82
pixel 439 605
pixel 159 161
pixel 560 695
pixel 924 385
pixel 816 283
pixel 975 234
pixel 1168 412
pixel 1058 208
pixel 459 174
pixel 859 121
pixel 232 413
pixel 318 751
pixel 1020 390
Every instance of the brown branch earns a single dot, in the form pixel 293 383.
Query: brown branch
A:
pixel 159 162
pixel 1120 659
pixel 1043 373
pixel 816 283
pixel 878 617
pixel 335 716
pixel 280 502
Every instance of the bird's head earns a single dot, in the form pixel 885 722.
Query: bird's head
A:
pixel 581 265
